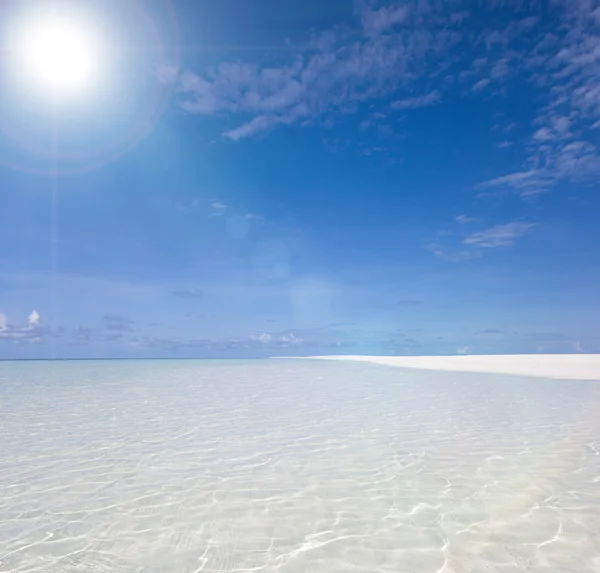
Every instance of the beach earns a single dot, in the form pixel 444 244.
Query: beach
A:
pixel 562 366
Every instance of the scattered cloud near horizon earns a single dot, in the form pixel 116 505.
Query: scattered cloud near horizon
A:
pixel 29 332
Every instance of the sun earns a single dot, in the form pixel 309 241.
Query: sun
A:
pixel 57 53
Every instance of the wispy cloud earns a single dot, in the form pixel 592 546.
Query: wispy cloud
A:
pixel 465 219
pixel 189 293
pixel 563 61
pixel 481 85
pixel 119 327
pixel 379 20
pixel 527 183
pixel 116 318
pixel 430 99
pixel 167 74
pixel 335 72
pixel 452 254
pixel 253 217
pixel 543 134
pixel 474 245
pixel 396 49
pixel 498 235
pixel 256 125
pixel 218 207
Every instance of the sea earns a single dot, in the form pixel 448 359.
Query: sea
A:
pixel 294 465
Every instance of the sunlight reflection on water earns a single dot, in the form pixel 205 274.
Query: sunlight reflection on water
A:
pixel 286 465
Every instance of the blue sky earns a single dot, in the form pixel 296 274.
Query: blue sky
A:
pixel 284 177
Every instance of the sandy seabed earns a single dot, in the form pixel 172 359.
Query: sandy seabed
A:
pixel 295 466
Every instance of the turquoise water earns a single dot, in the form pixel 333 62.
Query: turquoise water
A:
pixel 294 465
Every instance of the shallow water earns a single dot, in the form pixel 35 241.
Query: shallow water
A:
pixel 294 466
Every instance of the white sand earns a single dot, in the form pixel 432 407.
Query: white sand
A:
pixel 558 366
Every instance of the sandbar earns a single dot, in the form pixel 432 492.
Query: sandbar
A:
pixel 557 366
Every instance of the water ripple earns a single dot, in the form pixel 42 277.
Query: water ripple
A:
pixel 293 466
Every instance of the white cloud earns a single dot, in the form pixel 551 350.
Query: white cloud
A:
pixel 218 207
pixel 500 69
pixel 262 338
pixel 498 235
pixel 33 319
pixel 481 85
pixel 29 332
pixel 291 339
pixel 254 126
pixel 386 17
pixel 167 74
pixel 453 255
pixel 561 124
pixel 543 134
pixel 464 350
pixel 577 160
pixel 333 74
pixel 465 220
pixel 474 245
pixel 563 61
pixel 419 101
pixel 528 183
pixel 276 340
pixel 397 49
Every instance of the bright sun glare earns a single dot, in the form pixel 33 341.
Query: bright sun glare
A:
pixel 58 54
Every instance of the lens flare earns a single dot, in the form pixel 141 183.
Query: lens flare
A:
pixel 85 84
pixel 58 54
